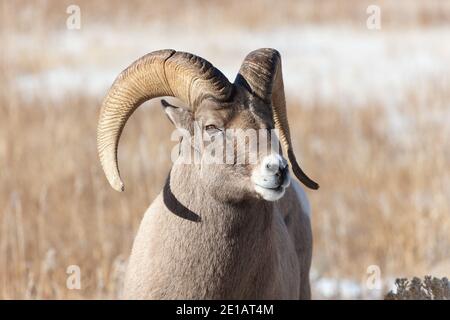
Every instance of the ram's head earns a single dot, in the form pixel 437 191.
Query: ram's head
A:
pixel 254 101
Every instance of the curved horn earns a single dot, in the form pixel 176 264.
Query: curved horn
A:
pixel 160 73
pixel 261 74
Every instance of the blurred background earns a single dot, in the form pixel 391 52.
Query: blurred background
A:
pixel 369 110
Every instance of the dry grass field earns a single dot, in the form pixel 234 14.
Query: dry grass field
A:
pixel 383 168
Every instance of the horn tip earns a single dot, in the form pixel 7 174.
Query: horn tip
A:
pixel 307 181
pixel 315 186
pixel 118 185
pixel 310 184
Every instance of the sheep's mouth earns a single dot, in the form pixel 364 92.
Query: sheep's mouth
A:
pixel 279 188
pixel 270 193
pixel 273 186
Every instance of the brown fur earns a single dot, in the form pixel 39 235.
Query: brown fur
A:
pixel 209 236
pixel 250 250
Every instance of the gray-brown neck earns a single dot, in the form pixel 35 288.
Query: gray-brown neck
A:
pixel 232 239
pixel 189 198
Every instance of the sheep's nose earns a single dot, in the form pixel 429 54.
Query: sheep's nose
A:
pixel 277 165
pixel 282 172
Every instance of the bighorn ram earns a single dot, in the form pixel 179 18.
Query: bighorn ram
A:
pixel 216 231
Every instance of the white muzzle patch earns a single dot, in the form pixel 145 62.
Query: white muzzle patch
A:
pixel 271 177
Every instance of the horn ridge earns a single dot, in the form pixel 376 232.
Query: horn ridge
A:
pixel 159 73
pixel 261 74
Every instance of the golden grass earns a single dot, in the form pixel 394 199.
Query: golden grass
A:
pixel 54 197
pixel 383 202
pixel 57 208
pixel 25 15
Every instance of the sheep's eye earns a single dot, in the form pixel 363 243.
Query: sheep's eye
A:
pixel 212 129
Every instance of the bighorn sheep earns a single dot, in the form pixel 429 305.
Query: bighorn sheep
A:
pixel 216 231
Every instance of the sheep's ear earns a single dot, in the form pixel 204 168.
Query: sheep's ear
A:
pixel 181 118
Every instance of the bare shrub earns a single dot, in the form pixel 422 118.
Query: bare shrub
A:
pixel 430 288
